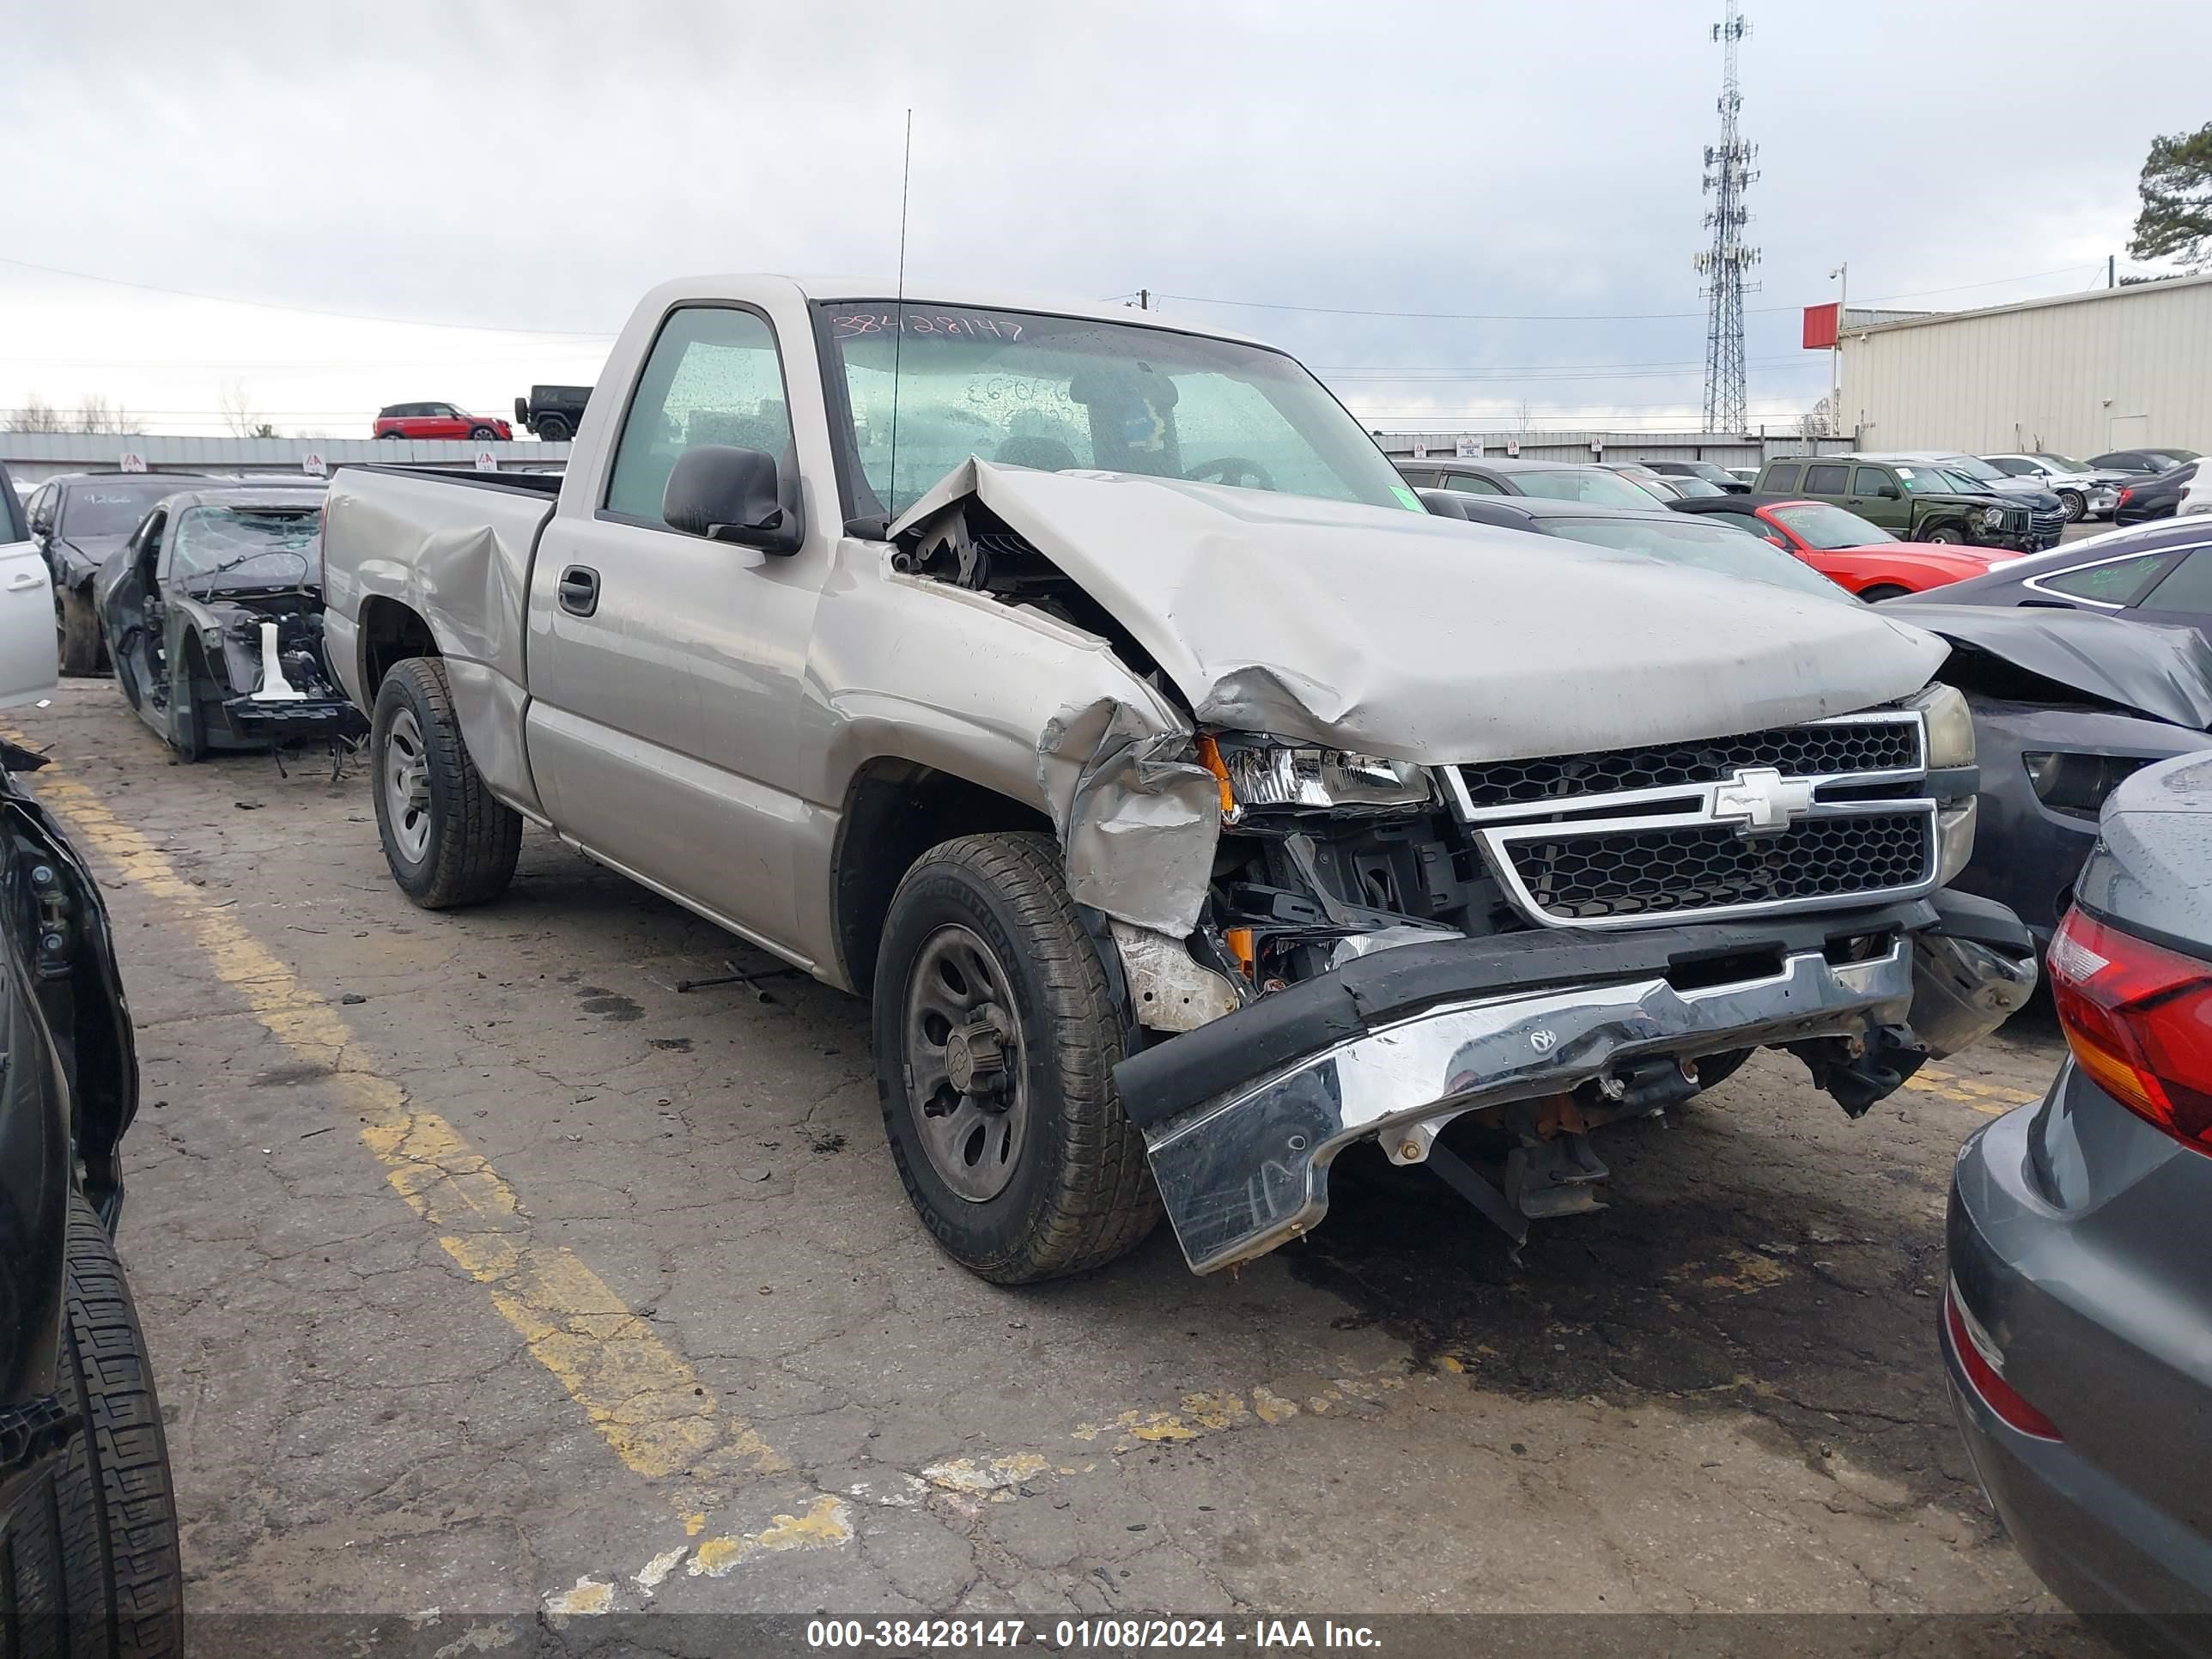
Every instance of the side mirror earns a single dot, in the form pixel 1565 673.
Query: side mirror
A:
pixel 730 495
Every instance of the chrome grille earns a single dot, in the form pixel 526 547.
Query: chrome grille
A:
pixel 1689 868
pixel 1782 819
pixel 1879 743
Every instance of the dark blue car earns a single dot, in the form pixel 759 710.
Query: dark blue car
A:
pixel 2077 1324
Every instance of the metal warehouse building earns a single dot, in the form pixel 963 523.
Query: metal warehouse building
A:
pixel 2079 375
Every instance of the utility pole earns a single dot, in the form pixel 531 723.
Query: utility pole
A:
pixel 1728 175
pixel 1842 273
pixel 1143 299
pixel 2112 274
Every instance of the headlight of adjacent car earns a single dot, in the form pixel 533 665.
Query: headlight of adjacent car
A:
pixel 1950 726
pixel 1255 773
pixel 1992 517
pixel 2077 783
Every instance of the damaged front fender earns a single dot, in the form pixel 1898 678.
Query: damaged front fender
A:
pixel 1138 816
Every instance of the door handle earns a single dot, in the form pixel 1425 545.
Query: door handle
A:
pixel 23 578
pixel 579 589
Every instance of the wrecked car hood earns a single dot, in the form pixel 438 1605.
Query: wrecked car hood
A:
pixel 2164 673
pixel 1428 640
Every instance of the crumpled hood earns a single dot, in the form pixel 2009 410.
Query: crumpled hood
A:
pixel 2163 674
pixel 1430 640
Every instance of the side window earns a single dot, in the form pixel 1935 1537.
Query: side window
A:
pixel 714 377
pixel 1473 483
pixel 1825 480
pixel 2109 584
pixel 1870 480
pixel 153 550
pixel 2187 587
pixel 1424 477
pixel 2012 468
pixel 1782 476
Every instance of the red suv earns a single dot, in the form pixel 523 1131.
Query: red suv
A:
pixel 439 421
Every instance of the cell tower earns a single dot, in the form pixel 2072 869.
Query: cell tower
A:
pixel 1728 173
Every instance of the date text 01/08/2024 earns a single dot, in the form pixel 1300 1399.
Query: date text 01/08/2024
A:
pixel 1084 1635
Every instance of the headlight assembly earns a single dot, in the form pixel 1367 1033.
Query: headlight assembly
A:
pixel 1256 774
pixel 1992 517
pixel 1950 726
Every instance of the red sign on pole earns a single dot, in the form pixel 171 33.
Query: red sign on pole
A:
pixel 1821 326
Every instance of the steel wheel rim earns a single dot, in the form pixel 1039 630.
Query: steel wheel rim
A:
pixel 966 1082
pixel 407 785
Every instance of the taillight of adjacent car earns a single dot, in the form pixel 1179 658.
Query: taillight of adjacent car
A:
pixel 2138 1018
pixel 2127 494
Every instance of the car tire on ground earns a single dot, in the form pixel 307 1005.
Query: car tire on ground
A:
pixel 447 841
pixel 392 436
pixel 553 429
pixel 478 434
pixel 76 632
pixel 1880 591
pixel 1006 1127
pixel 2075 503
pixel 113 1516
pixel 1945 535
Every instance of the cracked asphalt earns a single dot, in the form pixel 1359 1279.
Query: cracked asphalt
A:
pixel 483 1271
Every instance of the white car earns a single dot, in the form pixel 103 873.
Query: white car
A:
pixel 2197 497
pixel 2086 492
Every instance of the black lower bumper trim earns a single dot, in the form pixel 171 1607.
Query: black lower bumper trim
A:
pixel 1169 1078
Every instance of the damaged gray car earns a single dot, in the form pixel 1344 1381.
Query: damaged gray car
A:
pixel 1091 693
pixel 212 616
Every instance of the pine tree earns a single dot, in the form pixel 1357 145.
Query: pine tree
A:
pixel 2175 221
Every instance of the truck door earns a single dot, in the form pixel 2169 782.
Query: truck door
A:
pixel 666 668
pixel 1876 497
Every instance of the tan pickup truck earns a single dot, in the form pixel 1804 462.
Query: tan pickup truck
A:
pixel 1089 691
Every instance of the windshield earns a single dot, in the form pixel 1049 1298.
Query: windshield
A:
pixel 111 507
pixel 1704 546
pixel 1964 482
pixel 1926 481
pixel 1696 488
pixel 239 547
pixel 1967 467
pixel 1821 526
pixel 1069 393
pixel 2063 463
pixel 1582 483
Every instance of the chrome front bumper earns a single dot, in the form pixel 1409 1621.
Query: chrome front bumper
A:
pixel 1247 1171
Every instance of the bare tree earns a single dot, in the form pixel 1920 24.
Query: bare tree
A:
pixel 95 414
pixel 36 415
pixel 240 415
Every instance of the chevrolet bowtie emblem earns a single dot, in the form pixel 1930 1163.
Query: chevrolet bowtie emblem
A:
pixel 1757 799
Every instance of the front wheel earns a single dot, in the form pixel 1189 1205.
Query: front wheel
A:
pixel 113 1511
pixel 480 434
pixel 1945 535
pixel 1881 591
pixel 447 842
pixel 2075 503
pixel 996 1041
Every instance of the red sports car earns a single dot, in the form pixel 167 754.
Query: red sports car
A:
pixel 1846 549
pixel 440 420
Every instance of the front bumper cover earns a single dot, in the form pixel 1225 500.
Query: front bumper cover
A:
pixel 1243 1117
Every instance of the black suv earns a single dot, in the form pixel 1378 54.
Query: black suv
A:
pixel 89 1561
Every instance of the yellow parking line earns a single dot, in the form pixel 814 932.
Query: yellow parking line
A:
pixel 1991 1099
pixel 646 1403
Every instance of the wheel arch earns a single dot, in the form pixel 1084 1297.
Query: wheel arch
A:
pixel 895 811
pixel 388 633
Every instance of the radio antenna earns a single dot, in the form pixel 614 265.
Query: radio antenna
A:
pixel 898 338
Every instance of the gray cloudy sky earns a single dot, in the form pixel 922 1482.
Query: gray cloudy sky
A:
pixel 535 168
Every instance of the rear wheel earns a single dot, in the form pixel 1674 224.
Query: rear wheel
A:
pixel 447 841
pixel 1881 591
pixel 996 1041
pixel 553 429
pixel 76 632
pixel 391 436
pixel 110 1512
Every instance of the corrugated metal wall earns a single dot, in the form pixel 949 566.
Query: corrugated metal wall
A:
pixel 2101 371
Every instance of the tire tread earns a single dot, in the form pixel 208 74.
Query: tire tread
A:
pixel 477 839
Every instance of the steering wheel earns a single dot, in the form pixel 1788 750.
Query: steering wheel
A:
pixel 1230 469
